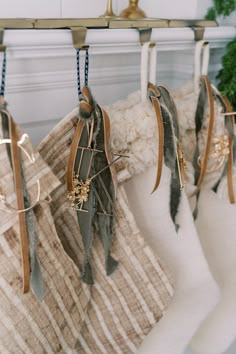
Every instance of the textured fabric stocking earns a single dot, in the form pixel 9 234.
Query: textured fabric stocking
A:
pixel 195 292
pixel 125 306
pixel 26 324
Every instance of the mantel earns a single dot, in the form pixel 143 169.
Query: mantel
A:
pixel 113 40
pixel 41 68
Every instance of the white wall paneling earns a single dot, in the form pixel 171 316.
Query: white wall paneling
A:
pixel 41 68
pixel 30 8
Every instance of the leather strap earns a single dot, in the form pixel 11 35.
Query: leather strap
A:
pixel 203 168
pixel 157 109
pixel 230 164
pixel 73 153
pixel 107 130
pixel 16 165
pixel 154 93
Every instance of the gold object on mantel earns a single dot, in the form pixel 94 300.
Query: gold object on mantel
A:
pixel 133 11
pixel 109 12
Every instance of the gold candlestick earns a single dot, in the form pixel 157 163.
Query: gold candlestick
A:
pixel 109 12
pixel 133 11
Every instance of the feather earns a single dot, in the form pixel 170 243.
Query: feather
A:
pixel 171 134
pixel 91 165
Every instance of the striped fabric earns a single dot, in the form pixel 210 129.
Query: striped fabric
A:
pixel 26 325
pixel 125 306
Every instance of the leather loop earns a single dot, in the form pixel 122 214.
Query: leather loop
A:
pixel 201 62
pixel 157 109
pixel 145 78
pixel 73 153
pixel 86 107
pixel 16 164
pixel 230 165
pixel 230 173
pixel 87 95
pixel 106 123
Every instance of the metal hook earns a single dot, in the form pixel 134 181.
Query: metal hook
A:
pixel 145 36
pixel 2 47
pixel 79 37
pixel 198 33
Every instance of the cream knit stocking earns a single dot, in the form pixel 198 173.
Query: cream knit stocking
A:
pixel 195 291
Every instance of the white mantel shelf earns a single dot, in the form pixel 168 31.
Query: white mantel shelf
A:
pixel 113 40
pixel 41 68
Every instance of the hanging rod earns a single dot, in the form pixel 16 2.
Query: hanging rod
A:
pixel 116 23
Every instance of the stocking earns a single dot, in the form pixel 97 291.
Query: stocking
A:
pixel 216 225
pixel 194 289
pixel 216 216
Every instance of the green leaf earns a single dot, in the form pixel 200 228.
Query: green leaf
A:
pixel 220 8
pixel 227 75
pixel 211 14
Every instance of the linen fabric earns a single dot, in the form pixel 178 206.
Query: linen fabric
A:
pixel 126 305
pixel 26 324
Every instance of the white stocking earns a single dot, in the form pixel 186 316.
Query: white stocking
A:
pixel 216 225
pixel 195 292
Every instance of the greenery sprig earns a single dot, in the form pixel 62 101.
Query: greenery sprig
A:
pixel 227 75
pixel 221 8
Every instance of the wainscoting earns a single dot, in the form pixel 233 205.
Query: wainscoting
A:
pixel 41 68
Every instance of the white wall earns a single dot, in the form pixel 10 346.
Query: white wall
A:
pixel 93 8
pixel 30 8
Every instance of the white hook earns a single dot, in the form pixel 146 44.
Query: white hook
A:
pixel 201 61
pixel 148 66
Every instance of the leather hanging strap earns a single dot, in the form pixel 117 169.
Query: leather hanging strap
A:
pixel 107 131
pixel 230 163
pixel 16 165
pixel 154 94
pixel 157 109
pixel 204 162
pixel 73 153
